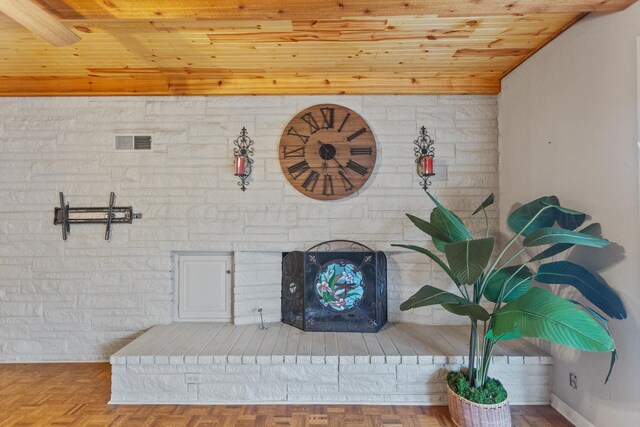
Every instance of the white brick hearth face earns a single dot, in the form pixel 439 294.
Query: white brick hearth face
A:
pixel 308 383
pixel 85 298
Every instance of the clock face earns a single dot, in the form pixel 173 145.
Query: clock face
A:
pixel 327 152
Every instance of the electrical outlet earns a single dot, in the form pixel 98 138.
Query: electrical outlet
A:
pixel 573 380
pixel 192 378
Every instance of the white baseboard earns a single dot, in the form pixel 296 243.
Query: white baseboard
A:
pixel 36 361
pixel 279 402
pixel 569 413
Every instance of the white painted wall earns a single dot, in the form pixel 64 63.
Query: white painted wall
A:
pixel 85 298
pixel 568 126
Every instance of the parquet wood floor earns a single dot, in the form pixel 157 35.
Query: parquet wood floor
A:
pixel 77 395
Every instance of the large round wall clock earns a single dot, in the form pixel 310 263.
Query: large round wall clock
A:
pixel 327 152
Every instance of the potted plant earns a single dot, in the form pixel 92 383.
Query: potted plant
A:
pixel 495 291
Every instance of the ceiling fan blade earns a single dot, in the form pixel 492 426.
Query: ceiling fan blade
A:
pixel 38 21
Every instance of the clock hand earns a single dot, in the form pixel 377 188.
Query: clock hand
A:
pixel 325 163
pixel 333 158
pixel 341 167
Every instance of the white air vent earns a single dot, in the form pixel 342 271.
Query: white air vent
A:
pixel 142 142
pixel 133 142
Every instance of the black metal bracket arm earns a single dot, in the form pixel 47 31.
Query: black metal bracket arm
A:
pixel 65 216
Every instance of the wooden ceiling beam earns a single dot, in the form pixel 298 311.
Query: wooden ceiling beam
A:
pixel 39 22
pixel 316 9
pixel 159 85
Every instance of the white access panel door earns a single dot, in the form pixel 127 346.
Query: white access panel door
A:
pixel 204 288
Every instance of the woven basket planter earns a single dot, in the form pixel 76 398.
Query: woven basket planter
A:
pixel 466 413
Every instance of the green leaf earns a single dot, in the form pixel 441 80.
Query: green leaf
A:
pixel 596 315
pixel 603 322
pixel 487 202
pixel 433 257
pixel 554 250
pixel 519 218
pixel 457 223
pixel 442 223
pixel 515 287
pixel 505 336
pixel 429 295
pixel 541 314
pixel 614 359
pixel 599 293
pixel 561 208
pixel 332 279
pixel 429 228
pixel 552 235
pixel 469 258
pixel 474 311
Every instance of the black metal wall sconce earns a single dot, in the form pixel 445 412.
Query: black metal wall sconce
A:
pixel 242 158
pixel 424 152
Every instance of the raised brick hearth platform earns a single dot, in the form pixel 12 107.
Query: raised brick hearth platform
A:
pixel 208 363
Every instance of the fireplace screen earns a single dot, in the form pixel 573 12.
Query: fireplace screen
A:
pixel 338 286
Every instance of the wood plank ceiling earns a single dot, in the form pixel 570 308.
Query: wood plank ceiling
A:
pixel 198 47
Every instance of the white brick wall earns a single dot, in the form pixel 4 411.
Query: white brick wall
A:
pixel 84 298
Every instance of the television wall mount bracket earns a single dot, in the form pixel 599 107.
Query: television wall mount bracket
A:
pixel 66 215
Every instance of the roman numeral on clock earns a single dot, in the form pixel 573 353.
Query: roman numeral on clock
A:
pixel 294 151
pixel 361 151
pixel 303 138
pixel 356 134
pixel 310 182
pixel 327 186
pixel 348 186
pixel 327 116
pixel 344 122
pixel 298 169
pixel 313 125
pixel 357 168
